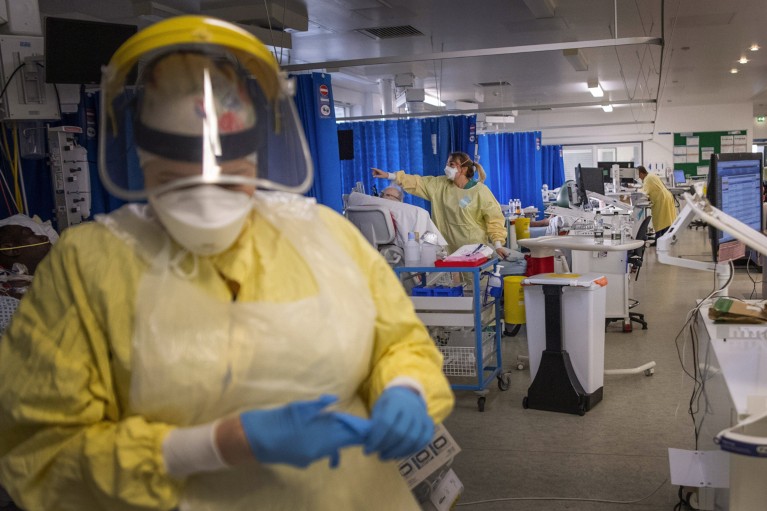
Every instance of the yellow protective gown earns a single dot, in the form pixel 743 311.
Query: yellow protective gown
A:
pixel 663 209
pixel 463 216
pixel 83 413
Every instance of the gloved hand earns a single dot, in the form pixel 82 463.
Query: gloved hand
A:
pixel 399 424
pixel 300 433
pixel 503 252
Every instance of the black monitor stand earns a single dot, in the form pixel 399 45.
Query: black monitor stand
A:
pixel 556 387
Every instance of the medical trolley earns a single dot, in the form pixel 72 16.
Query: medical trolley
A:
pixel 466 326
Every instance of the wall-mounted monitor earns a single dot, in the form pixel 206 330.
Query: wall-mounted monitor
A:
pixel 75 50
pixel 735 187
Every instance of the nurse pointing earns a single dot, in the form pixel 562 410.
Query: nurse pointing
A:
pixel 462 207
pixel 182 353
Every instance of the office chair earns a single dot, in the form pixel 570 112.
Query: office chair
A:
pixel 376 225
pixel 635 259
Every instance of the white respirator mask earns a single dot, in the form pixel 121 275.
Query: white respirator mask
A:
pixel 450 172
pixel 205 219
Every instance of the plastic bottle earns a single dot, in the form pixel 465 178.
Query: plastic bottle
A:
pixel 599 230
pixel 625 230
pixel 545 193
pixel 412 251
pixel 428 254
pixel 616 225
pixel 519 207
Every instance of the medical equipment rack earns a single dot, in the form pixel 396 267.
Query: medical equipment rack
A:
pixel 483 360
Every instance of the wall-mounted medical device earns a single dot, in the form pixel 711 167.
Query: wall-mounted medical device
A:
pixel 70 175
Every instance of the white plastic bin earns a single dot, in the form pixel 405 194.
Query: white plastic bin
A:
pixel 583 323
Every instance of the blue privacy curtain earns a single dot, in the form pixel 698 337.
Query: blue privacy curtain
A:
pixel 513 165
pixel 552 166
pixel 417 146
pixel 314 101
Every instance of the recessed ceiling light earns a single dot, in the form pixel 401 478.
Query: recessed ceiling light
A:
pixel 734 70
pixel 754 47
pixel 607 108
pixel 743 60
pixel 595 89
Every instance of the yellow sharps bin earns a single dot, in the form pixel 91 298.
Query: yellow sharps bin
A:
pixel 522 226
pixel 513 300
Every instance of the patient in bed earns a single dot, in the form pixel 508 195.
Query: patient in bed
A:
pixel 406 217
pixel 23 244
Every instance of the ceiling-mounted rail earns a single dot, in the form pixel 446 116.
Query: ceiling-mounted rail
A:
pixel 486 52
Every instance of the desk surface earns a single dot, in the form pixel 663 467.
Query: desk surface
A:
pixel 741 350
pixel 579 243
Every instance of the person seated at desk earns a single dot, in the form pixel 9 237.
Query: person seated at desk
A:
pixel 663 210
pixel 406 217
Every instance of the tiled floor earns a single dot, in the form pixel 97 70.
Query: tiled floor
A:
pixel 618 451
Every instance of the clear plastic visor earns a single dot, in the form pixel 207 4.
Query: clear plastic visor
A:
pixel 198 118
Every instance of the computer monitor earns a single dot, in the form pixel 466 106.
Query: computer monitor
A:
pixel 679 177
pixel 71 57
pixel 580 188
pixel 592 179
pixel 735 187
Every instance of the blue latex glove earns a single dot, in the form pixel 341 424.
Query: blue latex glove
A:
pixel 399 425
pixel 301 433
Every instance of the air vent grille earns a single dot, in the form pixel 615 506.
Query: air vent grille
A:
pixel 392 32
pixel 494 84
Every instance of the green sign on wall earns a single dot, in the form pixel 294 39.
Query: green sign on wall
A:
pixel 693 150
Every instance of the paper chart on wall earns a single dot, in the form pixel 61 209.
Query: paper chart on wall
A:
pixel 680 158
pixel 727 149
pixel 680 149
pixel 740 148
pixel 693 141
pixel 705 153
pixel 702 170
pixel 727 140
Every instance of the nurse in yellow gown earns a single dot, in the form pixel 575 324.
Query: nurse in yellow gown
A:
pixel 462 207
pixel 663 208
pixel 186 353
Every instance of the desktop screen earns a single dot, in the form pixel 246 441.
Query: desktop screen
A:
pixel 679 177
pixel 592 180
pixel 735 187
pixel 580 189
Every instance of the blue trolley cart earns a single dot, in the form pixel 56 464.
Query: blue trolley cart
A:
pixel 446 306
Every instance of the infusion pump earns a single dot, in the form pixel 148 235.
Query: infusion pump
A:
pixel 70 175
